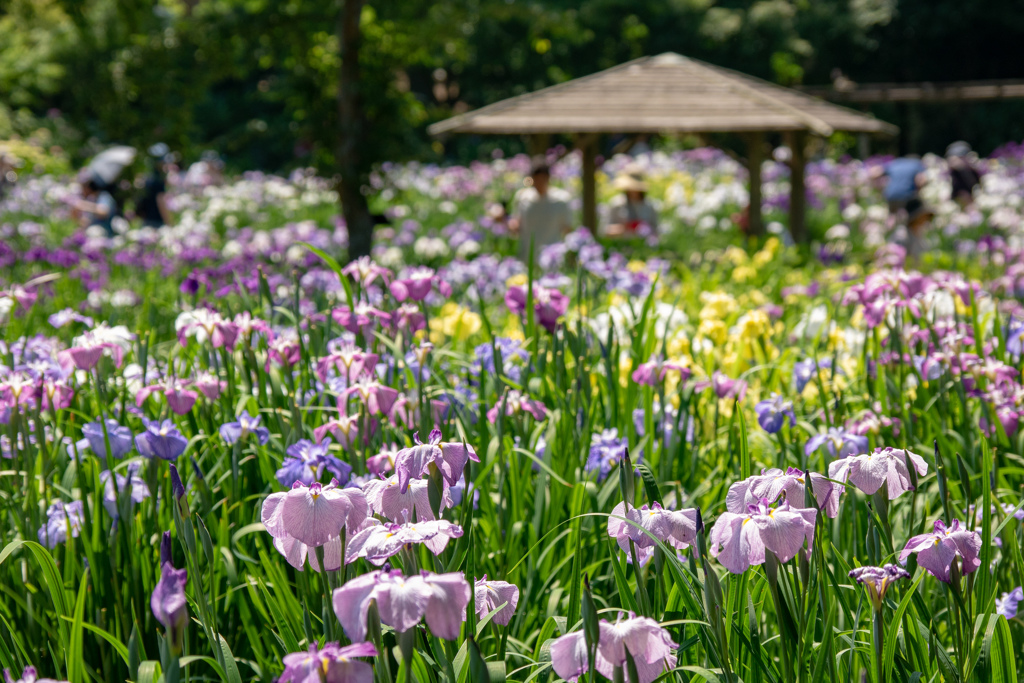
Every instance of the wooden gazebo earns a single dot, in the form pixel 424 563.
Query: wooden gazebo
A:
pixel 670 93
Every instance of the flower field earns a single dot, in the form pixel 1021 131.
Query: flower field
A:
pixel 226 456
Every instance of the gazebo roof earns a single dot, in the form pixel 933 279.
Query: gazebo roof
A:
pixel 662 94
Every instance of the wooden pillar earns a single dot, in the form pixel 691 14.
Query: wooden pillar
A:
pixel 797 191
pixel 755 156
pixel 588 145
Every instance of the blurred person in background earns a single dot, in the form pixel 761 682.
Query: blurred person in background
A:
pixel 96 206
pixel 630 209
pixel 905 178
pixel 962 174
pixel 152 205
pixel 542 215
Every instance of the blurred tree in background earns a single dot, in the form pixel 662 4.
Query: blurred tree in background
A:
pixel 258 80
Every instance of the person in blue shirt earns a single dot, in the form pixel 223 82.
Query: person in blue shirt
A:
pixel 906 178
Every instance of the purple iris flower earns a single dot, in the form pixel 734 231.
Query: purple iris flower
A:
pixel 647 642
pixel 1007 604
pixel 329 663
pixel 840 443
pixel 656 369
pixel 516 402
pixel 59 517
pixel 937 550
pixel 803 372
pixel 377 542
pixel 675 528
pixel 490 595
pixel 307 461
pixel 416 285
pixel 139 489
pixel 782 530
pixel 378 398
pixel 877 580
pixel 869 471
pixel 449 457
pixel 772 483
pixel 246 424
pixel 28 675
pixel 548 304
pixel 121 438
pixel 513 358
pixel 440 599
pixel 160 440
pixel 772 413
pixel 606 449
pixel 169 604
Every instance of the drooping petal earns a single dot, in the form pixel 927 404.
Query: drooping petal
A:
pixel 351 603
pixel 569 655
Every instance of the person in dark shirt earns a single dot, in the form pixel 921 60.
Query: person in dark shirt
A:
pixel 963 176
pixel 152 206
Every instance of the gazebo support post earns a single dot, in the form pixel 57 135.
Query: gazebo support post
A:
pixel 587 143
pixel 755 150
pixel 797 189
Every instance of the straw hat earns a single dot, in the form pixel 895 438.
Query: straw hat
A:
pixel 631 179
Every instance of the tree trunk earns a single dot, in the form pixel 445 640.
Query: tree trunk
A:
pixel 353 167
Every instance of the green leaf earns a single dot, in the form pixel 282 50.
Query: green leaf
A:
pixel 228 659
pixel 149 672
pixel 892 634
pixel 76 665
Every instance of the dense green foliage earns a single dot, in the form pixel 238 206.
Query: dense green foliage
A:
pixel 256 79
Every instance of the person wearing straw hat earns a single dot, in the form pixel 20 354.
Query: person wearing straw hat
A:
pixel 631 209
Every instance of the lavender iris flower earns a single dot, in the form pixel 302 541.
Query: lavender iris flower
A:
pixel 937 550
pixel 307 461
pixel 160 440
pixel 648 643
pixel 490 595
pixel 59 517
pixel 121 438
pixel 385 497
pixel 314 514
pixel 377 542
pixel 675 528
pixel 139 489
pixel 28 675
pixel 772 413
pixel 246 424
pixel 449 457
pixel 877 580
pixel 840 443
pixel 869 471
pixel 440 599
pixel 1007 603
pixel 169 604
pixel 330 663
pixel 772 483
pixel 783 530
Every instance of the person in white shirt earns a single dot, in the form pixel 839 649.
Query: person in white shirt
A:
pixel 631 208
pixel 541 213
